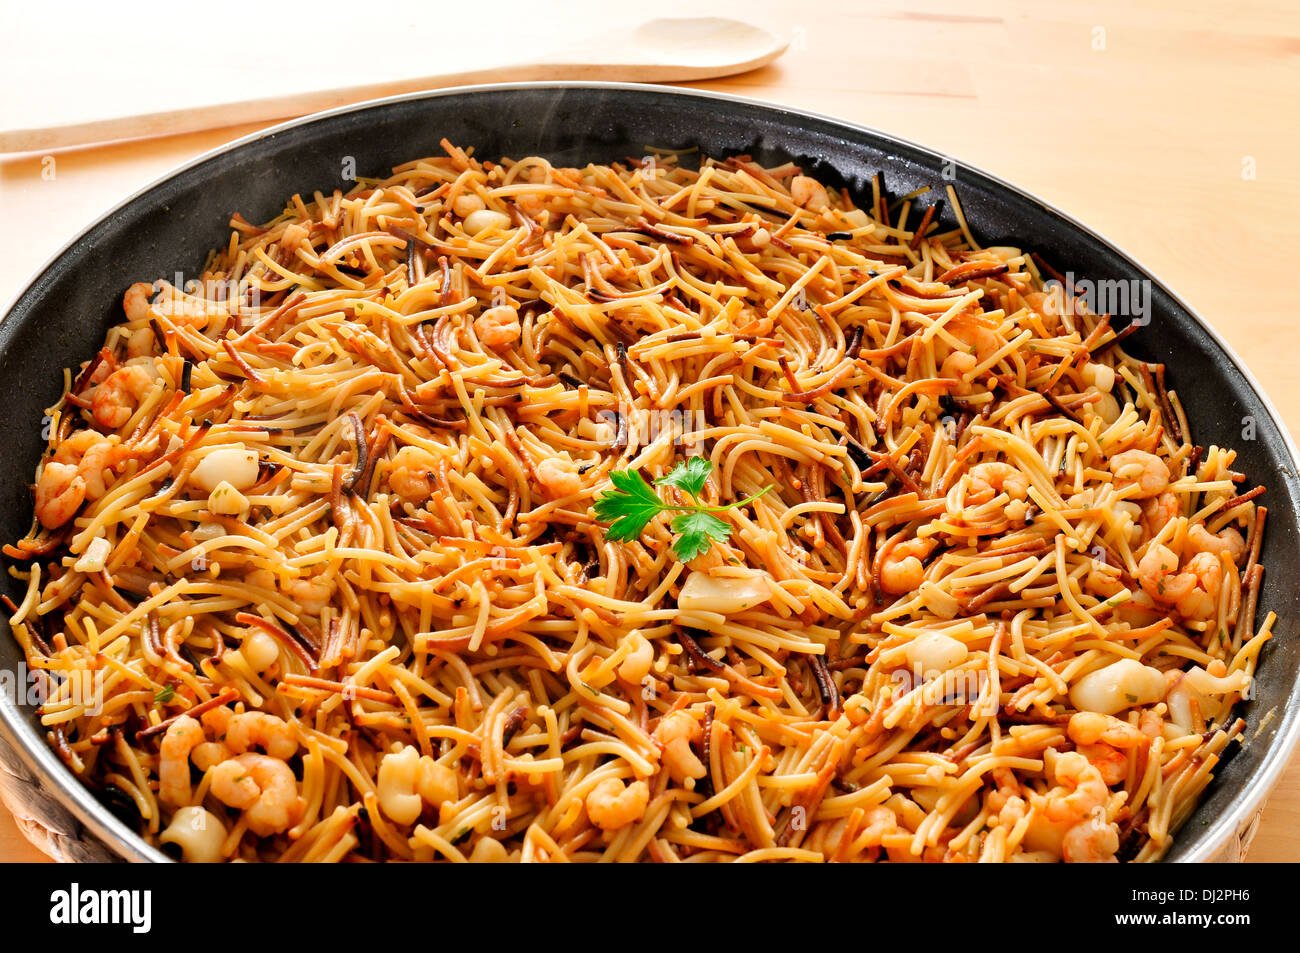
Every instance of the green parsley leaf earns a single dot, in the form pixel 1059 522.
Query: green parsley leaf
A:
pixel 633 503
pixel 164 695
pixel 689 475
pixel 697 532
pixel 629 506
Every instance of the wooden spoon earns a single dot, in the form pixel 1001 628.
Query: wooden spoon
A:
pixel 658 51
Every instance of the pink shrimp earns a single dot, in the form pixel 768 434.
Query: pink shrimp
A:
pixel 116 399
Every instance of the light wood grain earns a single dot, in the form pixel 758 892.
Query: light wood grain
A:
pixel 1145 139
pixel 14 848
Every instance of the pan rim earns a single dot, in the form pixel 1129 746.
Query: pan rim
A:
pixel 80 801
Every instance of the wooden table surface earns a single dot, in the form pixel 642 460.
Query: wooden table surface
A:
pixel 1169 127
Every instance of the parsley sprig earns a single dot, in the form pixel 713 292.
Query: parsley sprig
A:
pixel 633 503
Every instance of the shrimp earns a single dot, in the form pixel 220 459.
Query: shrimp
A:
pixel 273 735
pixel 637 664
pixel 1103 580
pixel 1012 812
pixel 207 754
pixel 180 308
pixel 901 570
pixel 1157 570
pixel 263 787
pixel 1102 740
pixel 237 733
pixel 116 399
pixel 989 479
pixel 1049 305
pixel 1005 801
pixel 1092 841
pixel 411 474
pixel 135 303
pixel 174 760
pixel 1228 540
pixel 610 805
pixel 560 476
pixel 1088 728
pixel 674 734
pixel 808 193
pixel 498 327
pixel 877 824
pixel 312 594
pixel 1157 511
pixel 1202 601
pixel 92 453
pixel 216 721
pixel 1111 763
pixel 956 366
pixel 1080 789
pixel 60 491
pixel 978 340
pixel 1194 591
pixel 141 343
pixel 1151 724
pixel 466 204
pixel 1145 470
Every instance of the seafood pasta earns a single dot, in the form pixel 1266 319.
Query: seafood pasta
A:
pixel 497 511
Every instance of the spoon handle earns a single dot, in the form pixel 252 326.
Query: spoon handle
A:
pixel 630 56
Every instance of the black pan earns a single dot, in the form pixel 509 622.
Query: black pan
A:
pixel 61 318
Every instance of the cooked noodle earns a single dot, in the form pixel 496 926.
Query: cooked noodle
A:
pixel 996 606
